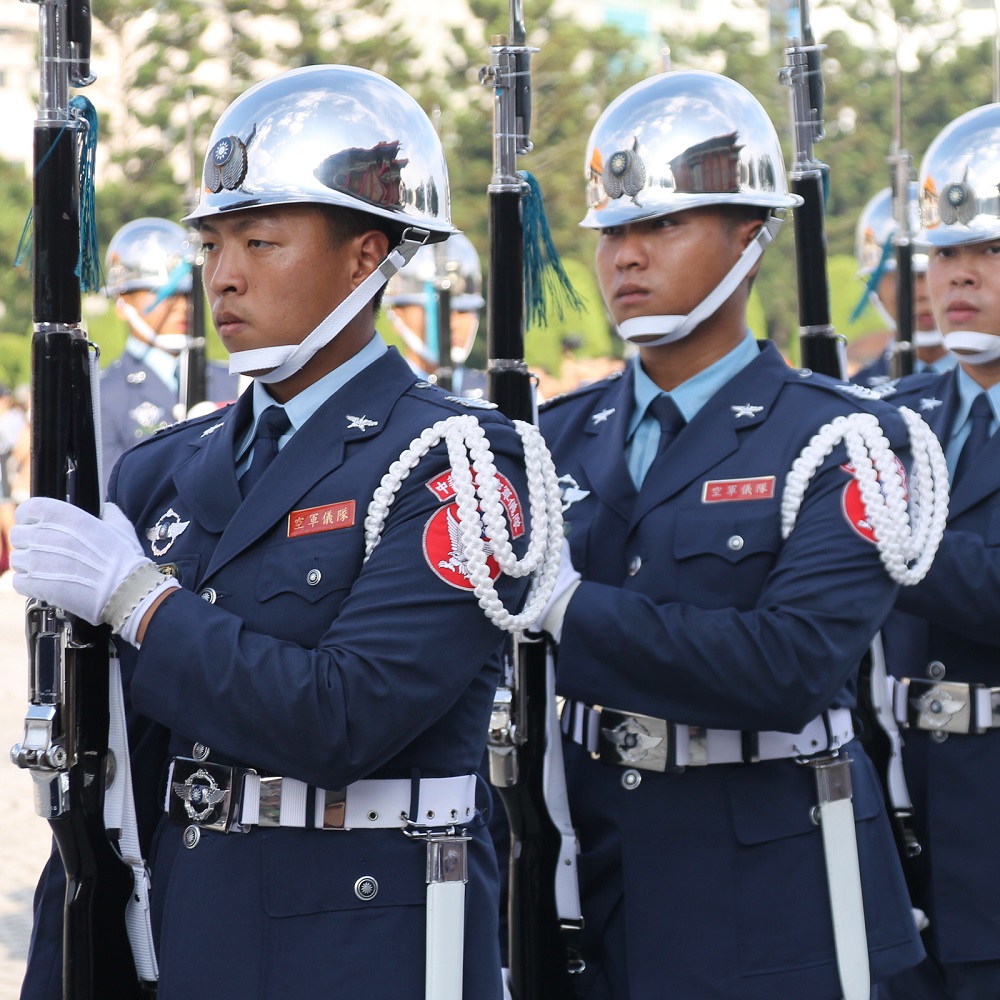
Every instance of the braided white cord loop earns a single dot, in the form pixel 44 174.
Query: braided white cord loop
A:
pixel 481 515
pixel 901 539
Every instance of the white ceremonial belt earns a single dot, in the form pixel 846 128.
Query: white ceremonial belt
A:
pixel 224 799
pixel 630 739
pixel 945 706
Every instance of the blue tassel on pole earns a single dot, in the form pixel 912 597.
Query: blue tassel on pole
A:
pixel 871 285
pixel 544 276
pixel 88 264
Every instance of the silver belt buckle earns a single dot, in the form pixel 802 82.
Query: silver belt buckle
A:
pixel 628 739
pixel 204 793
pixel 940 706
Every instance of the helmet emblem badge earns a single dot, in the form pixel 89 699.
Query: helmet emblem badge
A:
pixel 226 165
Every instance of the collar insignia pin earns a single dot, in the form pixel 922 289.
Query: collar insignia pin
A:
pixel 746 410
pixel 929 403
pixel 602 417
pixel 362 423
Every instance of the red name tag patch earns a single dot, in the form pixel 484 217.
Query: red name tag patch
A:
pixel 442 487
pixel 727 490
pixel 315 519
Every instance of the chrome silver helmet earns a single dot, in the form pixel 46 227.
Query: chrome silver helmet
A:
pixel 681 140
pixel 876 228
pixel 959 178
pixel 147 255
pixel 456 261
pixel 334 135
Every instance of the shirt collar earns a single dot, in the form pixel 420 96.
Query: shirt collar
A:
pixel 303 405
pixel 161 363
pixel 692 395
pixel 968 389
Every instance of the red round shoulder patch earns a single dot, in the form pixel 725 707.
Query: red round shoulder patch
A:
pixel 445 553
pixel 853 506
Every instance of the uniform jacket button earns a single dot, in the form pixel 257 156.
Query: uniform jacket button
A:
pixel 735 543
pixel 635 564
pixel 631 779
pixel 313 577
pixel 366 888
pixel 209 594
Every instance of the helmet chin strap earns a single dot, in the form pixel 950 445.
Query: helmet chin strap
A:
pixel 667 329
pixel 921 338
pixel 973 348
pixel 928 338
pixel 281 362
pixel 172 343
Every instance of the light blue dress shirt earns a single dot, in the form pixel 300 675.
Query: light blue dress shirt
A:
pixel 643 435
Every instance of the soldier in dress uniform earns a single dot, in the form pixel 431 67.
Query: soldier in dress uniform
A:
pixel 873 249
pixel 941 640
pixel 309 674
pixel 148 270
pixel 413 297
pixel 708 663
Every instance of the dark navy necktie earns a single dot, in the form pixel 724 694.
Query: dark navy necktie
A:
pixel 272 424
pixel 670 418
pixel 981 416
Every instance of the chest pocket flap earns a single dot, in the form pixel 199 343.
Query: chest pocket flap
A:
pixel 311 568
pixel 731 534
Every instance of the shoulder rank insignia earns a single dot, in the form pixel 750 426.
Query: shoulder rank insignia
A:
pixel 857 390
pixel 212 429
pixel 602 417
pixel 746 410
pixel 166 530
pixel 361 423
pixel 475 404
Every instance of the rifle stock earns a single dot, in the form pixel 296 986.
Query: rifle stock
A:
pixel 65 744
pixel 541 944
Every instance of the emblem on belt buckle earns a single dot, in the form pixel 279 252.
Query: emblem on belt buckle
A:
pixel 631 740
pixel 937 708
pixel 200 793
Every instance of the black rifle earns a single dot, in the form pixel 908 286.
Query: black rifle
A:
pixel 192 381
pixel 820 347
pixel 66 727
pixel 542 947
pixel 899 161
pixel 821 351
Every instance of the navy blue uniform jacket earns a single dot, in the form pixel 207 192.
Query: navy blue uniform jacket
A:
pixel 135 403
pixel 951 618
pixel 694 610
pixel 312 665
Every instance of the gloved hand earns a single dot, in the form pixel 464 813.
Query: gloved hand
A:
pixel 567 580
pixel 73 560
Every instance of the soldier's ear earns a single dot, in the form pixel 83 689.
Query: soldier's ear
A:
pixel 370 248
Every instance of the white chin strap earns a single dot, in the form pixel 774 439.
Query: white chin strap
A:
pixel 921 338
pixel 973 348
pixel 667 329
pixel 173 343
pixel 928 338
pixel 281 362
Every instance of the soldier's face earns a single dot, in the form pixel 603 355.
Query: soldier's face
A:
pixel 167 317
pixel 272 274
pixel 923 316
pixel 667 266
pixel 964 284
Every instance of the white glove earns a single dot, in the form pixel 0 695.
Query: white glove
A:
pixel 567 580
pixel 78 562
